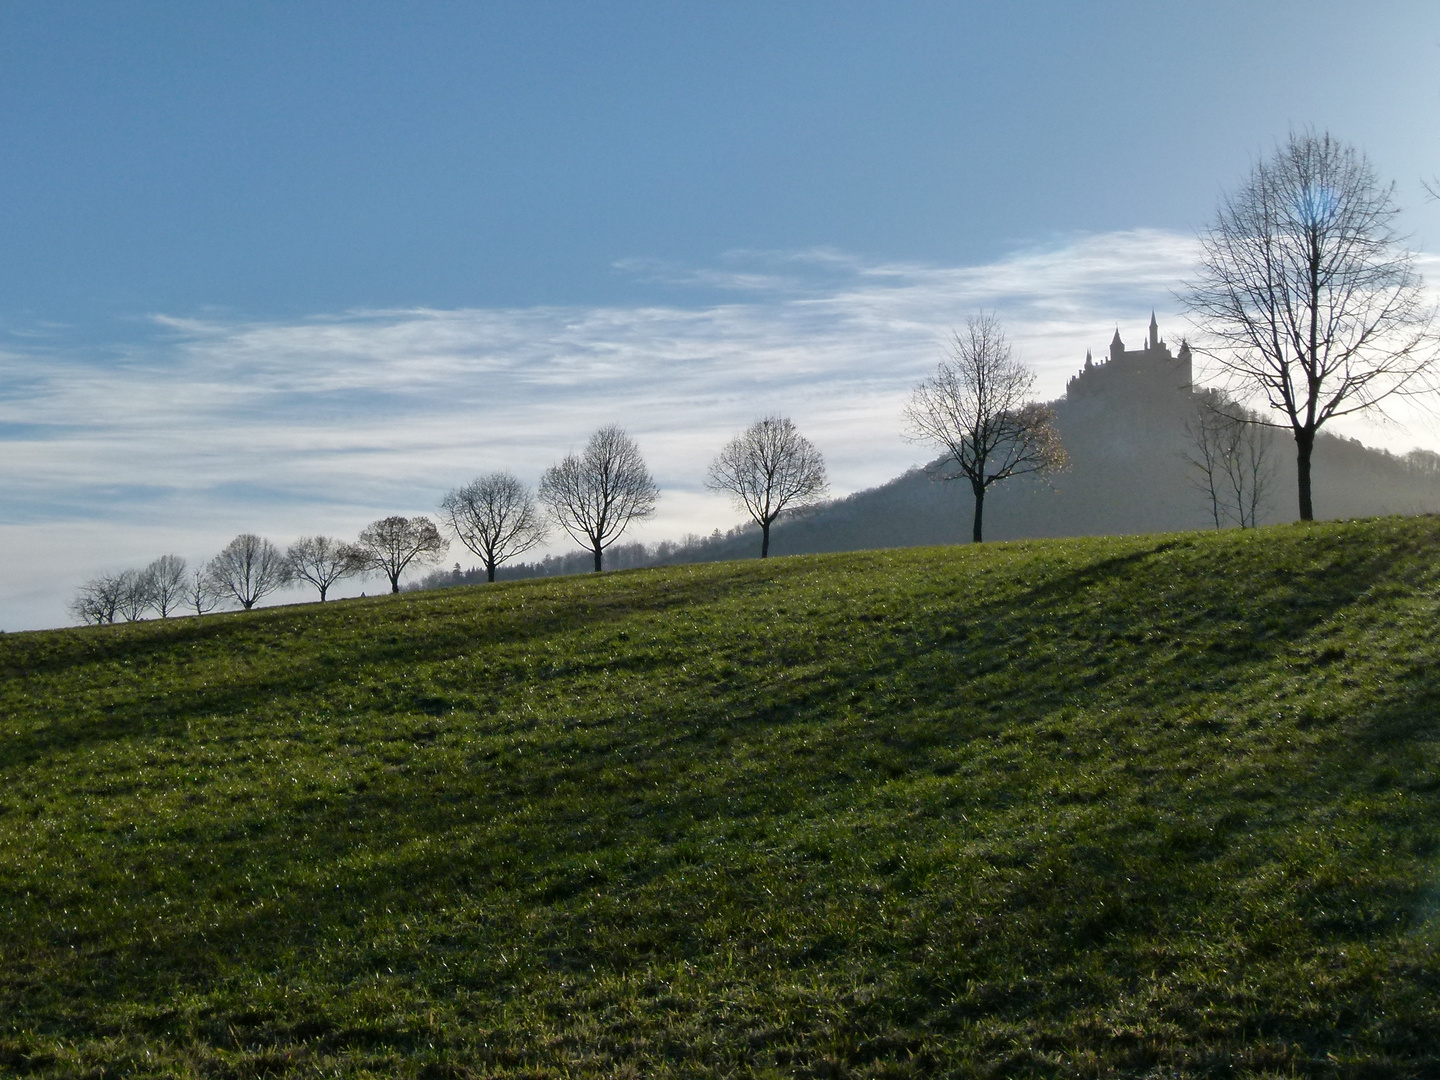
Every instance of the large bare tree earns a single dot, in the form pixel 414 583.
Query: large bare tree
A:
pixel 769 468
pixel 323 560
pixel 166 582
pixel 390 545
pixel 595 495
pixel 248 569
pixel 496 517
pixel 976 407
pixel 1306 296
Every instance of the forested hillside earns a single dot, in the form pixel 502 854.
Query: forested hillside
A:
pixel 1128 473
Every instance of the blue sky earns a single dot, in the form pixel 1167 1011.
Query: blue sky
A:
pixel 289 267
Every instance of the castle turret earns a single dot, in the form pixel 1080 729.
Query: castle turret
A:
pixel 1151 372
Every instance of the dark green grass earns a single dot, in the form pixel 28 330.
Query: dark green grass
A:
pixel 1159 806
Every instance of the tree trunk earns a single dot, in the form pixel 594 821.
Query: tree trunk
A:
pixel 1304 447
pixel 394 583
pixel 599 557
pixel 764 540
pixel 979 512
pixel 322 592
pixel 490 570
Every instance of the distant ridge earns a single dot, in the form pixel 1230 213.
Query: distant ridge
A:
pixel 1123 424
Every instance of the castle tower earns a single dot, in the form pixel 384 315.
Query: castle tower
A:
pixel 1150 373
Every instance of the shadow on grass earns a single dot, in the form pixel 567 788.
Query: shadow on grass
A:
pixel 528 852
pixel 456 623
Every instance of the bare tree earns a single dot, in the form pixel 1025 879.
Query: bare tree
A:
pixel 97 602
pixel 248 569
pixel 1206 455
pixel 975 407
pixel 1250 472
pixel 323 560
pixel 597 494
pixel 133 596
pixel 391 544
pixel 1230 451
pixel 201 593
pixel 1307 298
pixel 769 468
pixel 496 517
pixel 166 583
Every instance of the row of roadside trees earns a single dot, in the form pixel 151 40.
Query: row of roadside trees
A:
pixel 250 568
pixel 594 496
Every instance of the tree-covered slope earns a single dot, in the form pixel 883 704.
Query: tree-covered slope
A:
pixel 1128 473
pixel 1145 806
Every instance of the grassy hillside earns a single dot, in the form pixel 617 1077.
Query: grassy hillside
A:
pixel 1154 806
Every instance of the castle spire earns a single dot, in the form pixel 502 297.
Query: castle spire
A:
pixel 1154 331
pixel 1088 362
pixel 1117 347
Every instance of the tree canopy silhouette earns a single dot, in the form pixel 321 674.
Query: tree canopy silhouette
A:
pixel 597 494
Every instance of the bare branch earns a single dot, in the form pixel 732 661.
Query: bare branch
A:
pixel 323 560
pixel 248 569
pixel 97 602
pixel 1232 460
pixel 133 597
pixel 165 581
pixel 201 593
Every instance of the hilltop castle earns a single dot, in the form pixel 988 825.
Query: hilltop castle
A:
pixel 1148 372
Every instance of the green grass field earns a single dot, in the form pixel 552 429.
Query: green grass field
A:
pixel 1152 806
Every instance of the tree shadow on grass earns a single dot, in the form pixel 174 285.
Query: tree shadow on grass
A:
pixel 456 625
pixel 1145 622
pixel 1153 629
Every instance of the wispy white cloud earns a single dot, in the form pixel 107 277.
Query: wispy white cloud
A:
pixel 212 426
